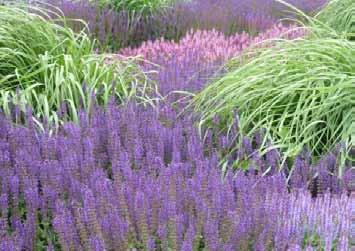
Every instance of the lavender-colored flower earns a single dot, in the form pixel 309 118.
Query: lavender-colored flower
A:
pixel 191 62
pixel 175 198
pixel 96 244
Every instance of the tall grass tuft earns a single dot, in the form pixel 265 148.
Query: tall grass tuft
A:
pixel 300 91
pixel 340 15
pixel 44 64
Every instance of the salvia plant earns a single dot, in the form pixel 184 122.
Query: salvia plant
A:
pixel 133 177
pixel 232 16
pixel 116 29
pixel 119 29
pixel 141 178
pixel 189 64
pixel 44 64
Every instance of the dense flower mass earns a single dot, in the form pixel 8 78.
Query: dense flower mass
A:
pixel 208 46
pixel 134 178
pixel 188 64
pixel 141 175
pixel 231 16
pixel 120 29
pixel 110 28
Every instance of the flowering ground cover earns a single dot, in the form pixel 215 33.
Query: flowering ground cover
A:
pixel 188 64
pixel 134 178
pixel 129 27
pixel 159 145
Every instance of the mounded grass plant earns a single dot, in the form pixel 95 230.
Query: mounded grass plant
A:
pixel 300 91
pixel 44 64
pixel 340 15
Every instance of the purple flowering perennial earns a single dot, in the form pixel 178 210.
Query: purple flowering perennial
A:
pixel 121 29
pixel 232 16
pixel 190 63
pixel 133 177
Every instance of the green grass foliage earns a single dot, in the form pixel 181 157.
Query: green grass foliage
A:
pixel 340 16
pixel 301 91
pixel 43 63
pixel 141 7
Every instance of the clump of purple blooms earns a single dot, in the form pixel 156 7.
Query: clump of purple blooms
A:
pixel 143 178
pixel 112 29
pixel 188 64
pixel 121 29
pixel 232 16
pixel 133 177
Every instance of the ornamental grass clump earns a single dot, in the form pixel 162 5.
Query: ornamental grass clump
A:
pixel 340 16
pixel 299 90
pixel 44 64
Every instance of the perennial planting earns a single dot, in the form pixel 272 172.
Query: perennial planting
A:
pixel 188 64
pixel 188 125
pixel 141 21
pixel 135 178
